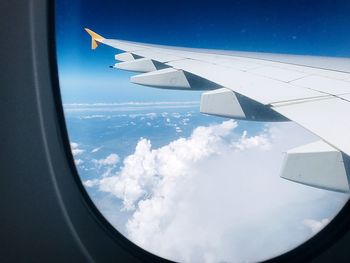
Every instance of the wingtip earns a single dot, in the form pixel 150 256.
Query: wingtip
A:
pixel 96 39
pixel 93 34
pixel 87 30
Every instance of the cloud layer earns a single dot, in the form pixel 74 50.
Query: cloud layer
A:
pixel 217 196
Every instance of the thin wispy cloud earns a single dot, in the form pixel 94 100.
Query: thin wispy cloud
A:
pixel 96 149
pixel 129 106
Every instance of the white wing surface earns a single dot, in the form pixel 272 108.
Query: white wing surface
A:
pixel 311 91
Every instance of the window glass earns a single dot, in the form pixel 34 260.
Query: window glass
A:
pixel 195 187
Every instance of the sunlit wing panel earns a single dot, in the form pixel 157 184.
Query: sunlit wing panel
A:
pixel 327 118
pixel 265 90
pixel 234 69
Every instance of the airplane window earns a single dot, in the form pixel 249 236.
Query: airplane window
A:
pixel 211 132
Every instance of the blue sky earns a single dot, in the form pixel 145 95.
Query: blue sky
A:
pixel 297 27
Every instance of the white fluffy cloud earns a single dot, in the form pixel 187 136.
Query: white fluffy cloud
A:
pixel 144 170
pixel 75 149
pixel 91 183
pixel 105 166
pixel 78 161
pixel 216 196
pixel 111 160
pixel 315 225
pixel 245 142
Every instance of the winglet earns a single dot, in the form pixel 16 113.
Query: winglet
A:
pixel 96 39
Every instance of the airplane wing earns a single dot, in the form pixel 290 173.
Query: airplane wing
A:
pixel 311 91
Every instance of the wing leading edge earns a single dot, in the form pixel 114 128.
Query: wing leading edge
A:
pixel 311 91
